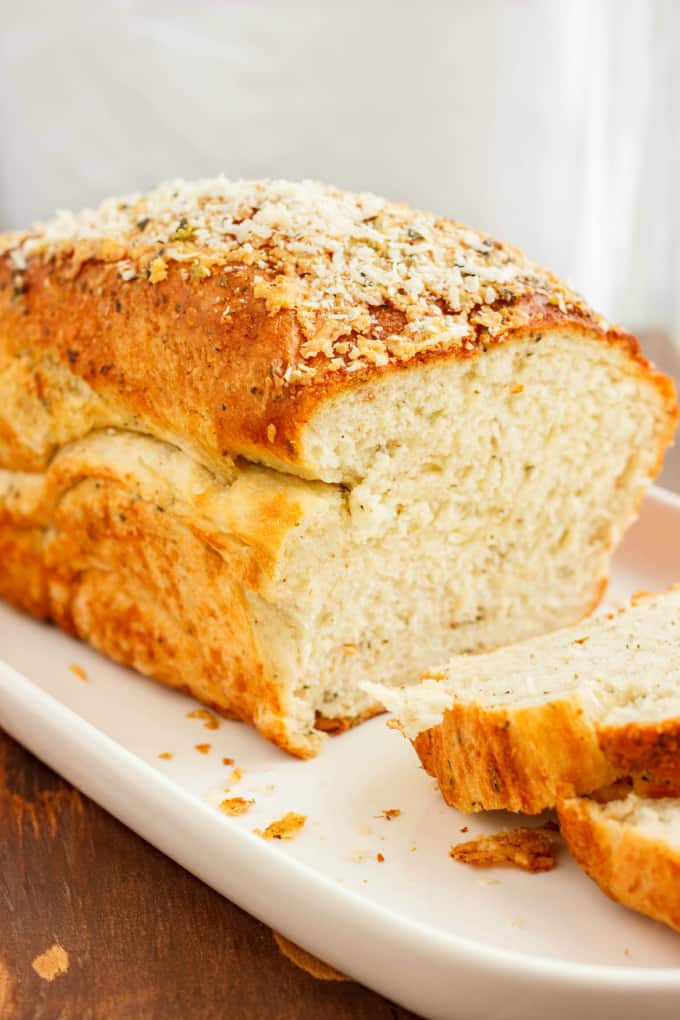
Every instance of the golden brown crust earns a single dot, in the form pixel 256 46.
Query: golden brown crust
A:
pixel 154 595
pixel 141 588
pixel 248 382
pixel 529 849
pixel 340 724
pixel 22 575
pixel 522 759
pixel 643 785
pixel 641 873
pixel 513 759
pixel 642 747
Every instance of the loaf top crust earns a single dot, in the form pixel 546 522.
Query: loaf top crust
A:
pixel 336 259
pixel 246 304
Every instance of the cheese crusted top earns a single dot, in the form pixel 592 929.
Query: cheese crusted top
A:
pixel 369 281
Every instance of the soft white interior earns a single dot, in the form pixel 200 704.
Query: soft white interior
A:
pixel 624 666
pixel 479 503
pixel 489 493
pixel 654 819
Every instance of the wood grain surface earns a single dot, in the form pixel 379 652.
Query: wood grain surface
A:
pixel 97 925
pixel 140 937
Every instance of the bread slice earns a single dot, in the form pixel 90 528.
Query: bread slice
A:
pixel 566 712
pixel 266 441
pixel 631 848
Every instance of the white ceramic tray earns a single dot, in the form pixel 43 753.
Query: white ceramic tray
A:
pixel 439 937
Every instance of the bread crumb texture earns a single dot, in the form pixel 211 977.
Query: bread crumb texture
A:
pixel 52 963
pixel 529 849
pixel 236 805
pixel 210 721
pixel 287 827
pixel 334 257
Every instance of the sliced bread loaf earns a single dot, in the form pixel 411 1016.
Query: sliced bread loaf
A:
pixel 569 711
pixel 266 441
pixel 631 848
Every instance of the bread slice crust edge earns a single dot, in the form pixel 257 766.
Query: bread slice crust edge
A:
pixel 631 868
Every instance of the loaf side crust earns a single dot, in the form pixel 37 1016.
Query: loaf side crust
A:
pixel 643 747
pixel 629 867
pixel 522 759
pixel 207 651
pixel 513 759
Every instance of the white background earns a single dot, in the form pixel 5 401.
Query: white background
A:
pixel 551 123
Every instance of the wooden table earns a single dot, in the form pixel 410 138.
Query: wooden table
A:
pixel 97 925
pixel 144 938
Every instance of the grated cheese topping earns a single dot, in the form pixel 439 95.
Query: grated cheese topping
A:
pixel 337 259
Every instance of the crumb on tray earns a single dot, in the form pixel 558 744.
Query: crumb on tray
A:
pixel 389 813
pixel 210 721
pixel 165 755
pixel 203 748
pixel 78 671
pixel 283 828
pixel 236 805
pixel 530 849
pixel 227 761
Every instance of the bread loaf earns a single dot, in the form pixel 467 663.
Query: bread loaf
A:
pixel 567 712
pixel 267 441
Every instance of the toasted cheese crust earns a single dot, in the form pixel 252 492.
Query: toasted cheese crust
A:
pixel 254 303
